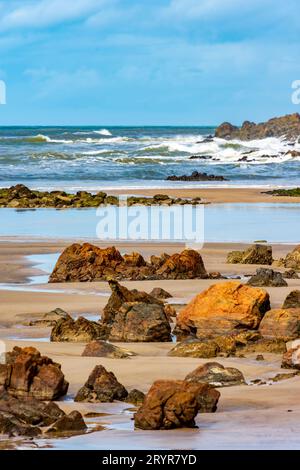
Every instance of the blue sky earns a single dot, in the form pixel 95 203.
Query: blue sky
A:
pixel 138 62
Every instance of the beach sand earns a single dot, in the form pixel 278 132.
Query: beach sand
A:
pixel 252 417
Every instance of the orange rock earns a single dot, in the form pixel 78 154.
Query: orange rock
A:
pixel 222 308
pixel 185 265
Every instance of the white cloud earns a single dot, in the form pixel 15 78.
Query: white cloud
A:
pixel 28 14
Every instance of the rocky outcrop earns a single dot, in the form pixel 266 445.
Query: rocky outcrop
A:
pixel 223 308
pixel 28 374
pixel 105 349
pixel 256 254
pixel 174 404
pixel 292 260
pixel 185 265
pixel 216 375
pixel 267 278
pixel 80 330
pixel 281 323
pixel 20 196
pixel 121 295
pixel 140 322
pixel 30 417
pixel 101 386
pixel 160 293
pixel 292 300
pixel 196 176
pixel 90 263
pixel 285 126
pixel 291 359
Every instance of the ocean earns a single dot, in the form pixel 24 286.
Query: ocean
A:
pixel 101 157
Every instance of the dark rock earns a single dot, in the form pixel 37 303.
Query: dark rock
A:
pixel 101 386
pixel 136 397
pixel 69 424
pixel 290 274
pixel 259 357
pixel 49 319
pixel 160 293
pixel 174 404
pixel 196 176
pixel 267 278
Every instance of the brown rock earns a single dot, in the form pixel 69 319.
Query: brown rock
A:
pixel 281 323
pixel 69 424
pixel 136 397
pixel 291 359
pixel 287 126
pixel 292 260
pixel 31 411
pixel 140 322
pixel 49 319
pixel 80 330
pixel 216 375
pixel 222 308
pixel 292 300
pixel 290 274
pixel 174 404
pixel 185 265
pixel 12 426
pixel 105 349
pixel 134 259
pixel 101 386
pixel 31 375
pixel 193 347
pixel 160 293
pixel 256 254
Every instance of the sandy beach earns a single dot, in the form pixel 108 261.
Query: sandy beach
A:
pixel 258 417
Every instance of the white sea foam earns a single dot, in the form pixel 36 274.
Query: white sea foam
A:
pixel 103 132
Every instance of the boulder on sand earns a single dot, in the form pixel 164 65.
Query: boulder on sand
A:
pixel 140 322
pixel 105 349
pixel 216 375
pixel 292 260
pixel 160 293
pixel 267 278
pixel 174 404
pixel 291 359
pixel 80 330
pixel 72 423
pixel 256 254
pixel 101 386
pixel 49 318
pixel 28 374
pixel 185 265
pixel 292 300
pixel 223 308
pixel 281 323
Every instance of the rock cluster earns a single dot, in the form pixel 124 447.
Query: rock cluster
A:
pixel 28 374
pixel 267 278
pixel 175 403
pixel 90 263
pixel 20 196
pixel 285 126
pixel 30 417
pixel 196 176
pixel 256 254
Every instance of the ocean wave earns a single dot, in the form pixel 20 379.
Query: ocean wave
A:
pixel 103 132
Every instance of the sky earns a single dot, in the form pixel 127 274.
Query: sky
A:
pixel 147 62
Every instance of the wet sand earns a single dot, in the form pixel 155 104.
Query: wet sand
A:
pixel 251 417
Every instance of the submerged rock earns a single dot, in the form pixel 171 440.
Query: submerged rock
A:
pixel 223 308
pixel 174 404
pixel 28 374
pixel 216 375
pixel 267 278
pixel 101 386
pixel 256 254
pixel 196 176
pixel 105 349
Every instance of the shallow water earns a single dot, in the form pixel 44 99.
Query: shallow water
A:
pixel 222 223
